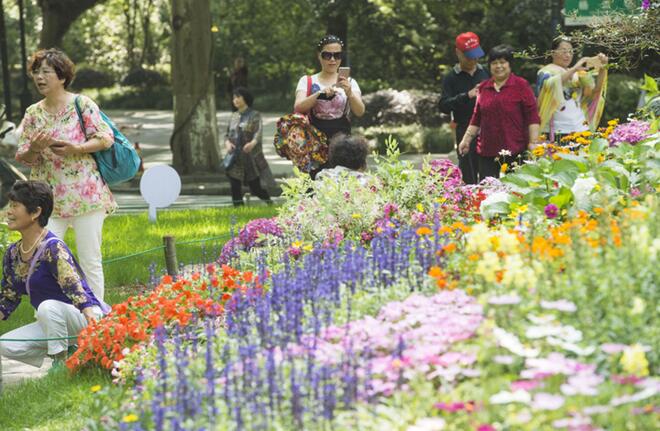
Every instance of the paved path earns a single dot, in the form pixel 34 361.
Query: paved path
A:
pixel 152 129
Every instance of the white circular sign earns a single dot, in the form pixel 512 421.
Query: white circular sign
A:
pixel 160 186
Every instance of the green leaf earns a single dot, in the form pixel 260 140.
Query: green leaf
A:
pixel 598 145
pixel 515 179
pixel 564 178
pixel 497 208
pixel 579 161
pixel 650 86
pixel 531 169
pixel 563 198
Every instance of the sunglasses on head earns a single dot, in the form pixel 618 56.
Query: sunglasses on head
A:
pixel 327 55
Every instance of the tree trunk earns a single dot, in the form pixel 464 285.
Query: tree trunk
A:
pixel 194 140
pixel 58 15
pixel 6 82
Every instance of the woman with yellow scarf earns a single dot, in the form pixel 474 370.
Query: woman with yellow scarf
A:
pixel 570 99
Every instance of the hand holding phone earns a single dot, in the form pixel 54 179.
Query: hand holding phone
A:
pixel 345 71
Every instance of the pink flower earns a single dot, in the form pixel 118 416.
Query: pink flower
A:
pixel 626 380
pixel 545 401
pixel 551 211
pixel 612 348
pixel 486 427
pixel 504 300
pixel 450 407
pixel 560 305
pixel 525 385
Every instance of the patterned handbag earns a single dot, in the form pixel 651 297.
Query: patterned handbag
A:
pixel 298 140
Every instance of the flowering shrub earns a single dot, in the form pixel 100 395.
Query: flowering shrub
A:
pixel 256 233
pixel 589 174
pixel 631 133
pixel 131 323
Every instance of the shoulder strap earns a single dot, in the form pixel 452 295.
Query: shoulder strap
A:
pixel 80 117
pixel 33 262
pixel 309 85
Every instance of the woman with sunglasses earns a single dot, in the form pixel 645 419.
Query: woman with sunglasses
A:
pixel 327 97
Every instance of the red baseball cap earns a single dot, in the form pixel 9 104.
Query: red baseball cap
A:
pixel 468 43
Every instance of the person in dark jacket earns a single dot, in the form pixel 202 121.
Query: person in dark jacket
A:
pixel 459 94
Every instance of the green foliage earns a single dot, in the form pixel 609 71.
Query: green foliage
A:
pixel 622 96
pixel 412 138
pixel 118 97
pixel 91 78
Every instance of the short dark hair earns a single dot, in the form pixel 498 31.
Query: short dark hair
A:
pixel 558 40
pixel 349 151
pixel 245 94
pixel 499 52
pixel 33 195
pixel 58 60
pixel 327 40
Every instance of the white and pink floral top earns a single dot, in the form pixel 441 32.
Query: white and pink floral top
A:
pixel 76 182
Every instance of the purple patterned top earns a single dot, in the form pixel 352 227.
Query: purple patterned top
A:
pixel 56 276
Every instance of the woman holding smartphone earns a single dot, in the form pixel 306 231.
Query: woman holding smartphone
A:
pixel 331 95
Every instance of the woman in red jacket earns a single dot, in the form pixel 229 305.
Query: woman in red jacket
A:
pixel 505 118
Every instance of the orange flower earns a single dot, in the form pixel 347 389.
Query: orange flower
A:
pixel 449 248
pixel 424 230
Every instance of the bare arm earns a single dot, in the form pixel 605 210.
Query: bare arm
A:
pixel 533 134
pixel 471 132
pixel 305 103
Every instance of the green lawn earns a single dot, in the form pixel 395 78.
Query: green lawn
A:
pixel 62 402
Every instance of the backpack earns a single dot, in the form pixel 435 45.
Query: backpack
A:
pixel 298 140
pixel 120 162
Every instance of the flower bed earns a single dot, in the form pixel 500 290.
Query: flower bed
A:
pixel 130 324
pixel 526 303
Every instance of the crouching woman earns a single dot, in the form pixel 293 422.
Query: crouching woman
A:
pixel 42 267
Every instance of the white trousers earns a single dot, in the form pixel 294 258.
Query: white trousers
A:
pixel 54 319
pixel 89 230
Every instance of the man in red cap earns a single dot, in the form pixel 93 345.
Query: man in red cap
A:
pixel 459 94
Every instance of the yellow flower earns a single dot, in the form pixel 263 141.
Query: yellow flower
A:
pixel 308 247
pixel 95 388
pixel 356 215
pixel 634 361
pixel 214 29
pixel 538 151
pixel 504 167
pixel 522 208
pixel 130 418
pixel 420 208
pixel 613 122
pixel 296 244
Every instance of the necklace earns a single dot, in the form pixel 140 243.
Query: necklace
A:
pixel 20 246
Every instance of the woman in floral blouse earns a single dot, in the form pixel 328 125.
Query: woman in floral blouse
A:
pixel 41 266
pixel 59 152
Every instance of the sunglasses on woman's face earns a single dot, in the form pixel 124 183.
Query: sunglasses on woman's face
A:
pixel 327 55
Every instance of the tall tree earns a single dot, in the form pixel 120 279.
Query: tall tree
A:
pixel 194 140
pixel 58 15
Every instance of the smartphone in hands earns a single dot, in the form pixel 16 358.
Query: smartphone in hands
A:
pixel 345 71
